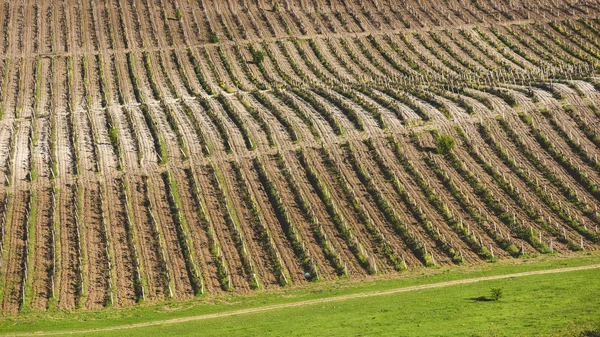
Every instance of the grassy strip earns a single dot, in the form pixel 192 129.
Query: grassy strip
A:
pixel 359 209
pixel 202 139
pixel 72 121
pixel 81 228
pixel 282 118
pixel 386 208
pixel 159 240
pixel 213 241
pixel 182 74
pixel 216 120
pixel 183 235
pixel 88 108
pixel 285 220
pixel 260 227
pixel 159 143
pixel 567 163
pixel 113 131
pixel 345 231
pixel 526 299
pixel 346 109
pixel 140 282
pixel 229 68
pixel 233 114
pixel 264 126
pixel 56 269
pixel 569 194
pixel 233 223
pixel 320 108
pixel 27 287
pixel 329 251
pixel 548 200
pixel 290 102
pixel 508 188
pixel 437 203
pixel 7 219
pixel 4 91
pixel 412 205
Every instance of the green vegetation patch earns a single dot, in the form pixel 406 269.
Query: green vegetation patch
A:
pixel 530 305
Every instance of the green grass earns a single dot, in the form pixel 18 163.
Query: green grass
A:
pixel 532 305
pixel 30 250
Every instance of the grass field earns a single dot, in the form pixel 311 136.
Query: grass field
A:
pixel 549 304
pixel 535 305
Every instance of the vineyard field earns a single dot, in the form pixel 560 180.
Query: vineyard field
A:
pixel 167 149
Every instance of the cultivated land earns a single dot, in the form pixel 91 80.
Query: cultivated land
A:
pixel 165 149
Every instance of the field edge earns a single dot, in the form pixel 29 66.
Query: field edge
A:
pixel 58 321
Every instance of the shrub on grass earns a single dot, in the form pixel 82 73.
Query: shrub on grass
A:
pixel 496 293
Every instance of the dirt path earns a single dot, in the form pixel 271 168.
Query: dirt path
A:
pixel 311 302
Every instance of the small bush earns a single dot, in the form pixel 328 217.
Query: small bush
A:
pixel 496 293
pixel 258 56
pixel 178 14
pixel 445 144
pixel 213 37
pixel 526 118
